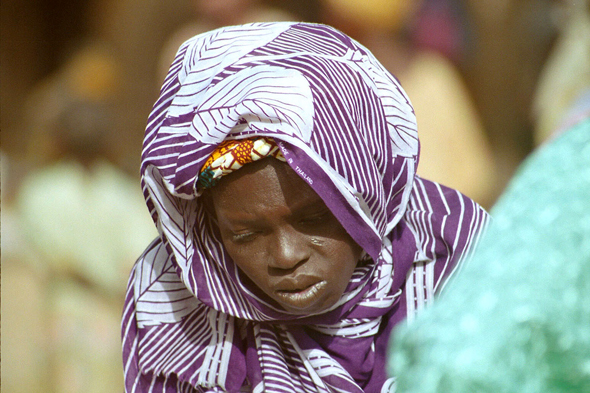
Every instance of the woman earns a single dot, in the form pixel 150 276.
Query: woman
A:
pixel 279 167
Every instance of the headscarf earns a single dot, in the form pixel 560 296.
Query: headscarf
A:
pixel 346 127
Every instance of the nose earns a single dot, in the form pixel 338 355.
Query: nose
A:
pixel 288 249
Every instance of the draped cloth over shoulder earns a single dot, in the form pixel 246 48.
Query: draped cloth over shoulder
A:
pixel 345 125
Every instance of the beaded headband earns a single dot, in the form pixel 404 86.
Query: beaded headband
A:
pixel 231 155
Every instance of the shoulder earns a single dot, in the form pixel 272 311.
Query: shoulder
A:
pixel 444 221
pixel 441 202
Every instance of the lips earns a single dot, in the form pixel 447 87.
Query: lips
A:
pixel 300 293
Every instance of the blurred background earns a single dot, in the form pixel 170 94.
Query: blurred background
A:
pixel 490 80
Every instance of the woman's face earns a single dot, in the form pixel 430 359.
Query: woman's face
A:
pixel 283 237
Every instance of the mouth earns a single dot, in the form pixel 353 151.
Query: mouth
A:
pixel 302 298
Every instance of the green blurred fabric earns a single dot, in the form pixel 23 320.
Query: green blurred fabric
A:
pixel 517 318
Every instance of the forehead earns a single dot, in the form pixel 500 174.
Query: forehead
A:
pixel 266 182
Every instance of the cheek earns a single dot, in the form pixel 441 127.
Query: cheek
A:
pixel 250 262
pixel 343 259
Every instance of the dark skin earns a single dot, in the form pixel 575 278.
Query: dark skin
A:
pixel 281 235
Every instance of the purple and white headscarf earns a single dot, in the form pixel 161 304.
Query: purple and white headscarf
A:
pixel 345 125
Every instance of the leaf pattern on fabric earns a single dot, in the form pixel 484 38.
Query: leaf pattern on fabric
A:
pixel 263 98
pixel 208 55
pixel 161 297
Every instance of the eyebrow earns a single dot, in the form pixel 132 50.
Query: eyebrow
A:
pixel 306 206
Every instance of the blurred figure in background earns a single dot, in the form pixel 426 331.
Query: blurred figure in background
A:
pixel 78 222
pixel 562 95
pixel 77 201
pixel 509 43
pixel 452 137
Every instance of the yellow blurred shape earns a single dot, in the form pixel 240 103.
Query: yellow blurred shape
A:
pixel 379 14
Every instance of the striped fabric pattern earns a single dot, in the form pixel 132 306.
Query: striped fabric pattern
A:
pixel 345 125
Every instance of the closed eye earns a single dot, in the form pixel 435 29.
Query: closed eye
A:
pixel 315 218
pixel 243 237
